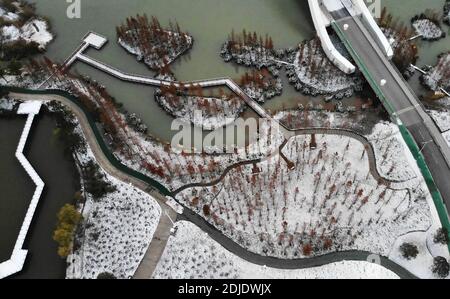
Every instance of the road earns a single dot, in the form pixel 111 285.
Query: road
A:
pixel 404 102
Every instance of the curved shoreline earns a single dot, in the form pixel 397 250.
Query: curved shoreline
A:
pixel 110 164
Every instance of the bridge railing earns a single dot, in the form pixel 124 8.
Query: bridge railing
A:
pixel 409 140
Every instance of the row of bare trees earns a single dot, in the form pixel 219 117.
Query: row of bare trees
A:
pixel 249 39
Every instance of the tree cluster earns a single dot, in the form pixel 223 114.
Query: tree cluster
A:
pixel 248 39
pixel 157 45
pixel 68 220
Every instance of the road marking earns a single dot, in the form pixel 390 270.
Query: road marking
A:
pixel 408 109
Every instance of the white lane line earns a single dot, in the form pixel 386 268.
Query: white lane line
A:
pixel 410 108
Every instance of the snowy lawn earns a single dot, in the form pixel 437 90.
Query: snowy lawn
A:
pixel 390 152
pixel 442 119
pixel 191 254
pixel 447 137
pixel 421 265
pixel 116 229
pixel 328 202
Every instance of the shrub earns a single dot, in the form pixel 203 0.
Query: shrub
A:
pixel 441 236
pixel 68 220
pixel 95 182
pixel 409 251
pixel 441 267
pixel 106 275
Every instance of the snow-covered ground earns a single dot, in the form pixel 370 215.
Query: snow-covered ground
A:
pixel 209 113
pixel 8 16
pixel 328 202
pixel 442 119
pixel 390 152
pixel 447 137
pixel 116 229
pixel 427 28
pixel 143 153
pixel 7 104
pixel 157 47
pixel 421 266
pixel 318 118
pixel 313 73
pixel 254 54
pixel 34 30
pixel 264 88
pixel 192 254
pixel 436 77
pixel 117 232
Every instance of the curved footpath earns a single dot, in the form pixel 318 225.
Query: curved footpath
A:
pixel 371 156
pixel 163 231
pixel 291 264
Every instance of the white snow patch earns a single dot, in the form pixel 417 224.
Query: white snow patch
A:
pixel 442 119
pixel 6 104
pixel 35 30
pixel 8 16
pixel 391 152
pixel 447 137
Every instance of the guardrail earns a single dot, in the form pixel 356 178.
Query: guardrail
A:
pixel 409 140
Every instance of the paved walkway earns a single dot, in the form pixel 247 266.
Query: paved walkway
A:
pixel 157 246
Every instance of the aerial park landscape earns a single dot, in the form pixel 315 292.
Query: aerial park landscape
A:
pixel 229 151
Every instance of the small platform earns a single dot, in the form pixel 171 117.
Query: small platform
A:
pixel 95 40
pixel 30 107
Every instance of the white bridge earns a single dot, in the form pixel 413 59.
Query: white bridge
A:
pixel 324 12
